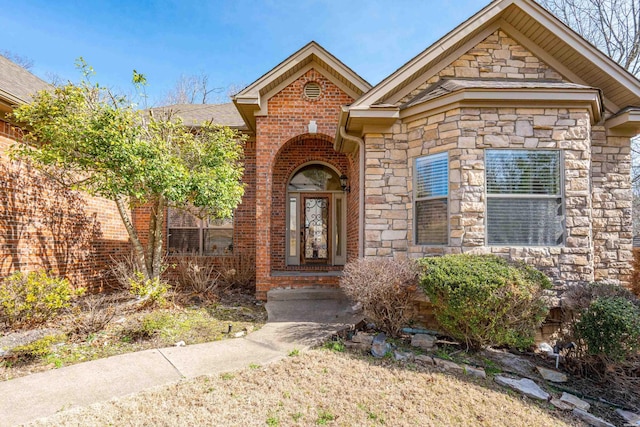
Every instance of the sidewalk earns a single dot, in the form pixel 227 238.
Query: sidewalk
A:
pixel 41 395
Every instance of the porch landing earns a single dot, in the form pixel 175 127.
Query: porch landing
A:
pixel 318 305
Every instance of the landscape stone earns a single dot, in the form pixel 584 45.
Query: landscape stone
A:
pixel 423 341
pixel 561 405
pixel 631 418
pixel 574 401
pixel 402 356
pixel 447 365
pixel 427 360
pixel 379 346
pixel 551 375
pixel 510 361
pixel 590 418
pixel 524 386
pixel 362 338
pixel 474 372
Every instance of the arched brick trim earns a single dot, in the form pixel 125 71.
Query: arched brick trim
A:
pixel 303 149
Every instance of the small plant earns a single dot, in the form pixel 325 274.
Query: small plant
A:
pixel 295 352
pixel 37 349
pixel 148 291
pixel 197 276
pixel 227 376
pixel 154 323
pixel 485 300
pixel 337 346
pixel 386 289
pixel 33 298
pixel 609 327
pixel 273 421
pixel 297 416
pixel 254 366
pixel 92 314
pixel 324 416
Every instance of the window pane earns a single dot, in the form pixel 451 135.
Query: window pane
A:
pixel 184 241
pixel 432 176
pixel 218 241
pixel 182 219
pixel 293 229
pixel 315 178
pixel 523 172
pixel 431 222
pixel 527 222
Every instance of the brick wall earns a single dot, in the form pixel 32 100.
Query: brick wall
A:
pixel 45 226
pixel 289 113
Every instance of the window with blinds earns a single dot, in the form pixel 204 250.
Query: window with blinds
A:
pixel 524 198
pixel 193 234
pixel 431 192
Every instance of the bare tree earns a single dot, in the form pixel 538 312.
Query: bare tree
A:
pixel 613 26
pixel 193 89
pixel 23 61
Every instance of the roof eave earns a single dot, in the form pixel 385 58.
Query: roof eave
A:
pixel 625 124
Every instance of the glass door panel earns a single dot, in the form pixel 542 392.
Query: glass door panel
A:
pixel 315 236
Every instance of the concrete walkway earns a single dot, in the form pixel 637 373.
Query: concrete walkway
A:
pixel 298 319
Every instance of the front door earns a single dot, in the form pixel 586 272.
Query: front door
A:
pixel 315 233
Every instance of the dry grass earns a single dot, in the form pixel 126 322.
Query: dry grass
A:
pixel 321 387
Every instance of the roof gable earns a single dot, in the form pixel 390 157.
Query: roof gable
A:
pixel 536 29
pixel 252 100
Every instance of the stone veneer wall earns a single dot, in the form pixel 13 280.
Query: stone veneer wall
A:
pixel 465 133
pixel 612 200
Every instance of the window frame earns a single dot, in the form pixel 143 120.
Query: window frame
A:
pixel 417 199
pixel 529 196
pixel 201 232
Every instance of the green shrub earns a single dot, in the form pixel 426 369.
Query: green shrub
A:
pixel 485 300
pixel 33 298
pixel 609 327
pixel 37 349
pixel 386 289
pixel 149 291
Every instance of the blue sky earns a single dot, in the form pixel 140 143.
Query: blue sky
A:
pixel 234 42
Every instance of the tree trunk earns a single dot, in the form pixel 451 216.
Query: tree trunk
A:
pixel 154 246
pixel 138 250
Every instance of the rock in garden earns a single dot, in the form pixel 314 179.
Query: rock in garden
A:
pixel 423 358
pixel 546 348
pixel 447 365
pixel 590 419
pixel 402 356
pixel 561 405
pixel 524 386
pixel 379 346
pixel 510 361
pixel 362 338
pixel 551 375
pixel 239 334
pixel 180 344
pixel 631 418
pixel 423 341
pixel 575 401
pixel 474 372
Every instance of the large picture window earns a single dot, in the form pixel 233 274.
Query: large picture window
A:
pixel 191 234
pixel 431 193
pixel 524 198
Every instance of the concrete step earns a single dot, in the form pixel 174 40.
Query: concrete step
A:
pixel 307 294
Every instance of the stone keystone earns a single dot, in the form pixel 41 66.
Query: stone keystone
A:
pixel 524 386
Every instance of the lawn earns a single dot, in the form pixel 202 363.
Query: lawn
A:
pixel 323 387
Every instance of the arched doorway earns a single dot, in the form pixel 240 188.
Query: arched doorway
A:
pixel 316 216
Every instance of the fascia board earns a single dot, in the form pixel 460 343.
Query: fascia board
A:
pixel 626 123
pixel 525 97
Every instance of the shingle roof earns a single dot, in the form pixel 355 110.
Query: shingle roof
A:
pixel 195 114
pixel 17 84
pixel 447 86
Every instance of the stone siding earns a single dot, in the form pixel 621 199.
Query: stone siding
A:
pixel 465 133
pixel 496 57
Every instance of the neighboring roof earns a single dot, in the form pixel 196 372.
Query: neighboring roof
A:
pixel 196 114
pixel 537 30
pixel 252 100
pixel 17 84
pixel 447 86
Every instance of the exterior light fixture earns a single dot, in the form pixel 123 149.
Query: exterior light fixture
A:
pixel 344 183
pixel 313 126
